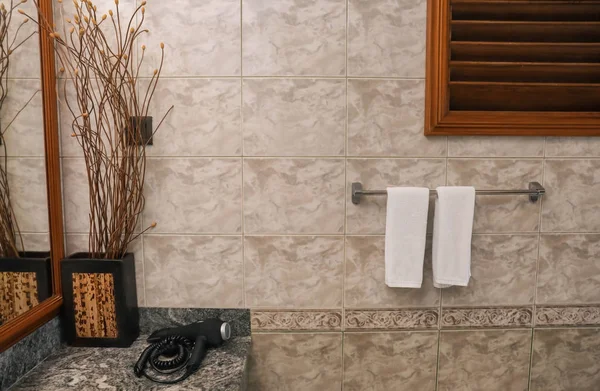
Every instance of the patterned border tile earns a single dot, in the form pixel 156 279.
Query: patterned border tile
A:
pixel 487 317
pixel 400 319
pixel 301 320
pixel 567 316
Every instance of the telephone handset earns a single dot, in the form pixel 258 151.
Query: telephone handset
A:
pixel 179 351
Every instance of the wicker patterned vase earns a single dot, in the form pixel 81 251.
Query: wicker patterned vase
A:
pixel 100 301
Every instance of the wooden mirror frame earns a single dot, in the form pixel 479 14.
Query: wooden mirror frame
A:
pixel 15 329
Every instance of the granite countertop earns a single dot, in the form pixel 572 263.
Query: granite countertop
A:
pixel 87 369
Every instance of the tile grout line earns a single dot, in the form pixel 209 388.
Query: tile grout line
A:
pixel 437 364
pixel 530 359
pixel 331 157
pixel 321 234
pixel 241 80
pixel 143 235
pixel 537 270
pixel 283 77
pixel 345 197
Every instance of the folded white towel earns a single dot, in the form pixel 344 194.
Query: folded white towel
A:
pixel 406 228
pixel 452 232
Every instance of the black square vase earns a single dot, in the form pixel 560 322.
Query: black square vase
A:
pixel 100 301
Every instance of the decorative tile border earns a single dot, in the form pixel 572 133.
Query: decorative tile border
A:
pixel 400 319
pixel 301 320
pixel 567 316
pixel 424 318
pixel 487 317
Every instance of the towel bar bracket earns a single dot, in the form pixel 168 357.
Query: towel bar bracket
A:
pixel 356 192
pixel 538 191
pixel 535 191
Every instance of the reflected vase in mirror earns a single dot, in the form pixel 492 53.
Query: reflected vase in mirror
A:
pixel 24 283
pixel 108 107
pixel 25 279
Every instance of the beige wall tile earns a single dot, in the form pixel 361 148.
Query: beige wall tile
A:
pixel 202 38
pixel 497 214
pixel 193 271
pixel 572 146
pixel 205 121
pixel 390 361
pixel 35 242
pixel 69 145
pixel 294 117
pixel 70 135
pixel 25 136
pixel 294 272
pixel 295 362
pixel 386 118
pixel 292 37
pixel 75 195
pixel 294 196
pixel 503 271
pixel 66 9
pixel 365 278
pixel 27 184
pixel 569 272
pixel 25 60
pixel 492 146
pixel 484 360
pixel 387 38
pixel 194 195
pixel 76 203
pixel 565 360
pixel 377 174
pixel 572 203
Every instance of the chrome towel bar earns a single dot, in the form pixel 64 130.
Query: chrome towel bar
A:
pixel 535 191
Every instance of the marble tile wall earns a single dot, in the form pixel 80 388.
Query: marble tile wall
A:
pixel 279 107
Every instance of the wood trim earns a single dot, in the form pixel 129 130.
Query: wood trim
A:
pixel 16 329
pixel 439 120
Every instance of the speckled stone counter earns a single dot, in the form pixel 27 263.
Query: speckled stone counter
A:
pixel 111 369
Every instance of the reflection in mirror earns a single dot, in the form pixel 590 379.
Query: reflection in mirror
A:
pixel 24 239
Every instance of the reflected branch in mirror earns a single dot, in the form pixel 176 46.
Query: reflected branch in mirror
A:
pixel 11 39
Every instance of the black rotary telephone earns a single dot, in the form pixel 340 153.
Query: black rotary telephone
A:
pixel 176 353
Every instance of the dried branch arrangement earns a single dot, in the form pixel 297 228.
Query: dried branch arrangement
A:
pixel 103 88
pixel 11 38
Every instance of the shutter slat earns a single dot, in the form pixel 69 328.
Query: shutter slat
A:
pixel 524 55
pixel 524 72
pixel 526 10
pixel 525 51
pixel 513 67
pixel 501 31
pixel 560 97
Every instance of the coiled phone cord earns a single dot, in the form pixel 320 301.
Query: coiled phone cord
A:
pixel 178 349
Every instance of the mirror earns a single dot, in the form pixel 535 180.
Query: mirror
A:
pixel 25 261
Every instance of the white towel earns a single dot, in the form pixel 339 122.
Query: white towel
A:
pixel 452 232
pixel 406 228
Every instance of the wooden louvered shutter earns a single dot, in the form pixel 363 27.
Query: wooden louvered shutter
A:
pixel 513 67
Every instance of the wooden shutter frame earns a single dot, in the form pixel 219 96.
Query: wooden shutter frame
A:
pixel 439 120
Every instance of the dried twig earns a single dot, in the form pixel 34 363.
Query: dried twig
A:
pixel 102 83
